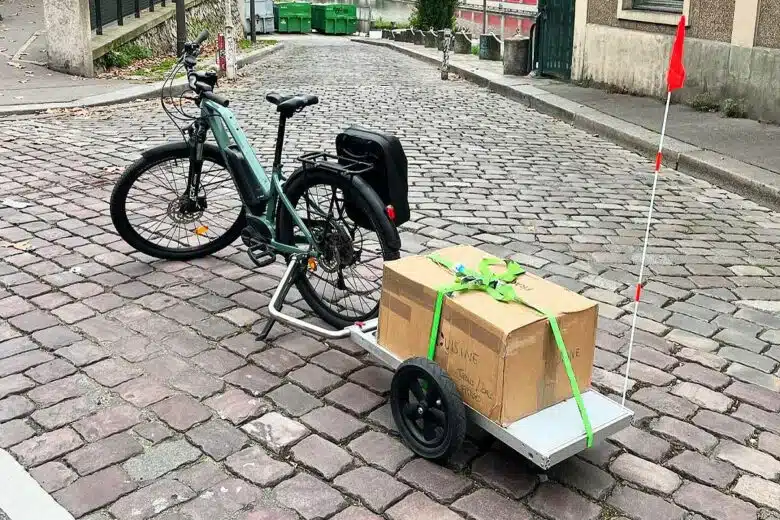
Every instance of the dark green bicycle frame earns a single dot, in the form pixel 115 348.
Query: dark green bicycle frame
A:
pixel 225 128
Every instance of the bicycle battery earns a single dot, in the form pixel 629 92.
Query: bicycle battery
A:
pixel 389 175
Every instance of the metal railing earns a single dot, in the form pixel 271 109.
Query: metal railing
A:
pixel 104 12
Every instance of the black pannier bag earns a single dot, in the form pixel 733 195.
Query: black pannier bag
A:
pixel 388 177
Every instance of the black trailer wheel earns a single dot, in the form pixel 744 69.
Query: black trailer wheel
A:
pixel 428 410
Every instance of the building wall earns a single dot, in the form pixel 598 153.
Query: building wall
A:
pixel 768 28
pixel 709 19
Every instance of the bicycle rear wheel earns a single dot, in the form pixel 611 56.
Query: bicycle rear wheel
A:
pixel 346 283
pixel 147 210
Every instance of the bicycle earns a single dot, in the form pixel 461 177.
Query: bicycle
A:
pixel 334 266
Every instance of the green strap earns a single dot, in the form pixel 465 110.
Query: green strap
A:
pixel 499 287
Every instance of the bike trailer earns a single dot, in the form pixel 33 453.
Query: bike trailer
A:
pixel 388 177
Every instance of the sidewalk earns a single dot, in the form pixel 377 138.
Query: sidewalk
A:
pixel 738 154
pixel 24 78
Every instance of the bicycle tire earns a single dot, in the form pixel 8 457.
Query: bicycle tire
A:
pixel 150 159
pixel 366 201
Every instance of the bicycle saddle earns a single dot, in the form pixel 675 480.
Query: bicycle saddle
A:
pixel 291 103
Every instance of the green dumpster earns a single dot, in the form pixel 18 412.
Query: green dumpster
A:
pixel 334 18
pixel 292 17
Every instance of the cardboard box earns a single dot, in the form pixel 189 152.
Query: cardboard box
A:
pixel 502 356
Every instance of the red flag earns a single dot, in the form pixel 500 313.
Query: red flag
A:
pixel 676 77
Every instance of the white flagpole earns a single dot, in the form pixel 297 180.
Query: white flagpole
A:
pixel 658 159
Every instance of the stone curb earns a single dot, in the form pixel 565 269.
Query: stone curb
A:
pixel 131 93
pixel 752 182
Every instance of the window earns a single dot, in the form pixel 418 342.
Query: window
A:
pixel 669 6
pixel 663 12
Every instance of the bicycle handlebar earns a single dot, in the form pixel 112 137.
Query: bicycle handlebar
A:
pixel 202 37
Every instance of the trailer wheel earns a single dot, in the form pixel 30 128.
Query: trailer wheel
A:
pixel 428 410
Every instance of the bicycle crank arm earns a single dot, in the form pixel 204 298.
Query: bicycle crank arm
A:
pixel 277 300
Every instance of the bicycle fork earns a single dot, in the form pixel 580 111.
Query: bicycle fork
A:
pixel 191 201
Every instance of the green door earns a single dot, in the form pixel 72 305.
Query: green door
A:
pixel 556 37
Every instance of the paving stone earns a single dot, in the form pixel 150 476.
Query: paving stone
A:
pixel 333 423
pixel 255 465
pixel 417 505
pixel 112 372
pixel 103 453
pixel 506 472
pixel 642 443
pixel 13 347
pixel 201 475
pixel 107 422
pixel 438 482
pixel 14 384
pixel 755 395
pixel 664 402
pixel 160 459
pixel 600 454
pixel 95 491
pixel 741 340
pixel 310 497
pixel 354 398
pixel 218 361
pixel 322 456
pixel 275 431
pixel 336 362
pixel 642 506
pixel 153 431
pixel 53 370
pixel 33 320
pixel 21 362
pixel 610 381
pixel 685 434
pixel 758 418
pixel 355 513
pixel 197 383
pixel 54 338
pixel 53 476
pixel 313 378
pixel 712 503
pixel 768 442
pixel 759 491
pixel 486 504
pixel 645 474
pixel 747 358
pixel 383 416
pixel 83 353
pixel 254 380
pixel 243 345
pixel 702 396
pixel 693 341
pixel 647 374
pixel 555 501
pixel 379 449
pixel 723 425
pixel 748 459
pixel 143 391
pixel 278 361
pixel 698 467
pixel 375 489
pixel 583 476
pixel 704 376
pixel 756 377
pixel 301 345
pixel 151 500
pixel 63 413
pixel 374 378
pixel 14 432
pixel 181 412
pixel 237 406
pixel 293 400
pixel 706 359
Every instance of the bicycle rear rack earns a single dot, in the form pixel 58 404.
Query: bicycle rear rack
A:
pixel 334 163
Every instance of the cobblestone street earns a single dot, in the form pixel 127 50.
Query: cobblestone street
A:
pixel 133 388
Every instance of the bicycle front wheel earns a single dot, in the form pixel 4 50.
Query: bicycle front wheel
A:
pixel 149 210
pixel 344 285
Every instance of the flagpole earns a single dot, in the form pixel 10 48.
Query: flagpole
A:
pixel 658 160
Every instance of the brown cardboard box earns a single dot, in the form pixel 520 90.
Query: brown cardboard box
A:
pixel 501 356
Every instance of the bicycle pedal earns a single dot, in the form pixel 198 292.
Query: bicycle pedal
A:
pixel 260 255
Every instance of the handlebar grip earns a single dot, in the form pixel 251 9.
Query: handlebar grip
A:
pixel 216 98
pixel 202 37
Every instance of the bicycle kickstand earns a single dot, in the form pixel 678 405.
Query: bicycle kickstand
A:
pixel 277 301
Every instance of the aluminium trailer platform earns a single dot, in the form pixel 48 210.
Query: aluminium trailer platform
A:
pixel 546 437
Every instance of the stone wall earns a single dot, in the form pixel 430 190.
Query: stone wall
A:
pixel 636 61
pixel 201 14
pixel 768 28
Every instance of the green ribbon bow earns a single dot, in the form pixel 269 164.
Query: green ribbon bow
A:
pixel 500 287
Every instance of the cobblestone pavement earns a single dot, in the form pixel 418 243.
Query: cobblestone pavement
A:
pixel 134 388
